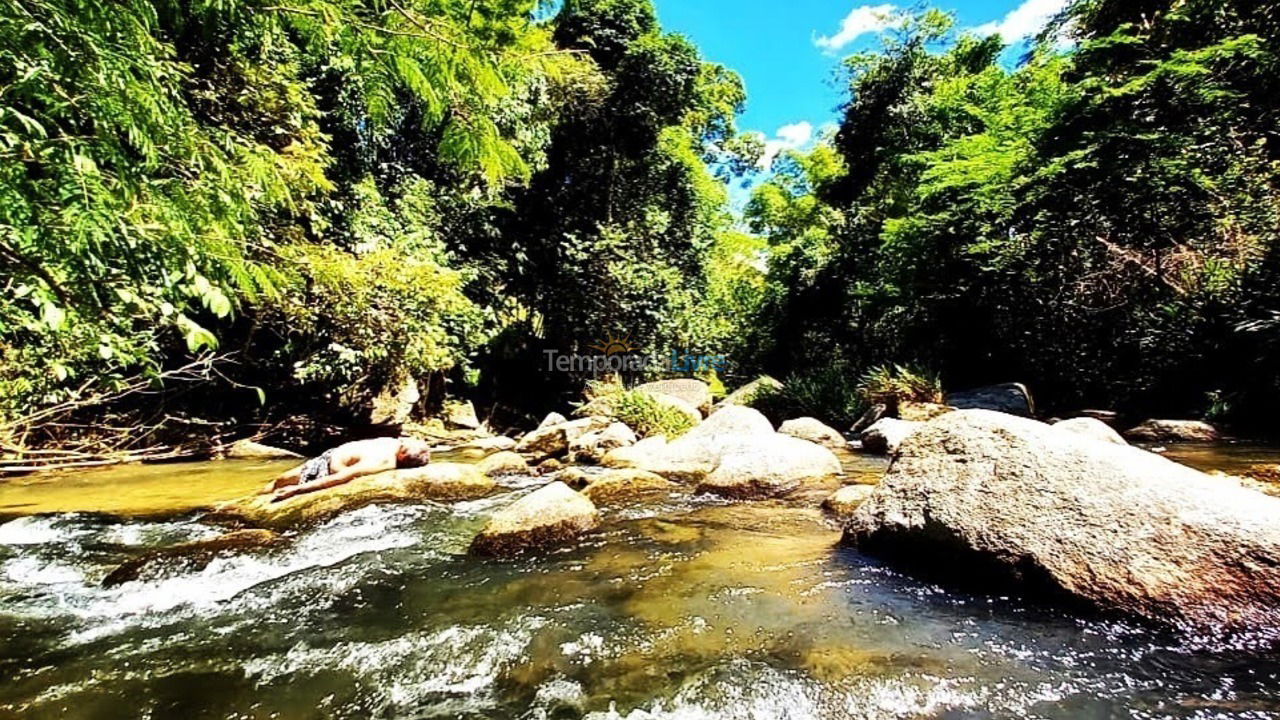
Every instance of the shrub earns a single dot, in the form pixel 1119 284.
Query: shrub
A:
pixel 828 394
pixel 640 411
pixel 889 385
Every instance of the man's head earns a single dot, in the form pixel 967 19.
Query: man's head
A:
pixel 412 453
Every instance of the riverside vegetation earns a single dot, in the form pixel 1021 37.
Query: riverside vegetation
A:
pixel 220 215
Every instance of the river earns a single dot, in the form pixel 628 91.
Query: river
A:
pixel 687 608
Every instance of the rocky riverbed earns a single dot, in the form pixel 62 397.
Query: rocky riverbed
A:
pixel 721 574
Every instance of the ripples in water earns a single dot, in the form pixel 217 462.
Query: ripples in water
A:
pixel 690 608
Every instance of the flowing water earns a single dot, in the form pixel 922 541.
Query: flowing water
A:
pixel 687 608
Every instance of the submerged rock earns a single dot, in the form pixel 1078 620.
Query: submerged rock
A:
pixel 813 430
pixel 1012 398
pixel 613 487
pixel 1174 431
pixel 190 556
pixel 986 496
pixel 250 450
pixel 1090 428
pixel 551 515
pixel 844 501
pixel 437 481
pixel 504 463
pixel 691 392
pixel 886 434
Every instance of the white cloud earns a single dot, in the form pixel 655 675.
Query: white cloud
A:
pixel 788 137
pixel 860 21
pixel 1024 21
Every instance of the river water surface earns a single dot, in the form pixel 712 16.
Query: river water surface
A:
pixel 687 608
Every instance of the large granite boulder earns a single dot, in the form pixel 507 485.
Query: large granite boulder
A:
pixel 886 434
pixel 1090 428
pixel 437 481
pixel 813 430
pixel 551 515
pixel 768 465
pixel 1174 431
pixel 591 446
pixel 691 392
pixel 735 452
pixel 994 499
pixel 553 440
pixel 1011 398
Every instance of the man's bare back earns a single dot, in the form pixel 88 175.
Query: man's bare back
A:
pixel 348 462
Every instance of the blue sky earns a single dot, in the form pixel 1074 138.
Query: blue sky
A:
pixel 788 52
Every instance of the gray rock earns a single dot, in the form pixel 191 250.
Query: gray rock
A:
pixel 485 446
pixel 552 418
pixel 735 452
pixel 761 466
pixel 250 450
pixel 505 462
pixel 694 393
pixel 813 430
pixel 618 487
pixel 590 447
pixel 1090 428
pixel 1012 398
pixel 1174 431
pixel 732 420
pixel 551 515
pixel 1000 499
pixel 886 434
pixel 551 440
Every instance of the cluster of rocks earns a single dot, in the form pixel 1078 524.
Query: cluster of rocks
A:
pixel 883 435
pixel 732 450
pixel 977 492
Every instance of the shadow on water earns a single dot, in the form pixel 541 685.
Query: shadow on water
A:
pixel 687 608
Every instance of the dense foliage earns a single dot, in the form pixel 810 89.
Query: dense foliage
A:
pixel 349 198
pixel 347 195
pixel 1099 221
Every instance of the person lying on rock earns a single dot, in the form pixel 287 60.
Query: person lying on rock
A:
pixel 348 462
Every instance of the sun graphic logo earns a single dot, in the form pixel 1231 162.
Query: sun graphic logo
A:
pixel 614 345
